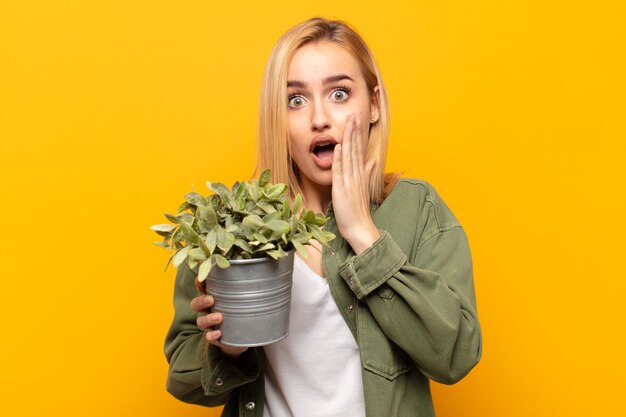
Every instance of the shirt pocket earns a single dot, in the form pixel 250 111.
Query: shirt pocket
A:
pixel 379 355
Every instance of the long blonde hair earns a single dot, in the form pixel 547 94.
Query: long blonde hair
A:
pixel 273 138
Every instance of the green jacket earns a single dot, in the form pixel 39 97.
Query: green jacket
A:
pixel 408 300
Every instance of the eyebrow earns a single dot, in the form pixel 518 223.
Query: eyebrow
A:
pixel 328 80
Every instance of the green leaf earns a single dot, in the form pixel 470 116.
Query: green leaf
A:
pixel 300 248
pixel 234 228
pixel 265 178
pixel 220 261
pixel 275 191
pixel 297 204
pixel 189 218
pixel 177 236
pixel 162 244
pixel 285 211
pixel 260 237
pixel 191 236
pixel 195 199
pixel 205 268
pixel 205 247
pixel 271 216
pixel 196 254
pixel 321 236
pixel 225 240
pixel 171 218
pixel 180 256
pixel 220 189
pixel 203 226
pixel 184 206
pixel 241 193
pixel 277 253
pixel 208 215
pixel 279 226
pixel 240 243
pixel 192 264
pixel 168 263
pixel 228 220
pixel 251 222
pixel 265 247
pixel 266 207
pixel 303 237
pixel 211 240
pixel 308 216
pixel 254 191
pixel 163 228
pixel 328 236
pixel 320 220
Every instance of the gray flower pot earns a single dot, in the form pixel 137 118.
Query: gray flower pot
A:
pixel 254 296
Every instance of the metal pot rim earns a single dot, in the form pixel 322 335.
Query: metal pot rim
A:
pixel 258 260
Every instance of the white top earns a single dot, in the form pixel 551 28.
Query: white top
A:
pixel 316 370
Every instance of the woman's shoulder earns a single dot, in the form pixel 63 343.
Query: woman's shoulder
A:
pixel 418 196
pixel 413 188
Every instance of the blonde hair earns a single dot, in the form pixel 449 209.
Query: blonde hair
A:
pixel 273 138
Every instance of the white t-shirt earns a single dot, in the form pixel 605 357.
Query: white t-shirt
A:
pixel 316 370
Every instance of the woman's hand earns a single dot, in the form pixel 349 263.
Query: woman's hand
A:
pixel 350 194
pixel 208 321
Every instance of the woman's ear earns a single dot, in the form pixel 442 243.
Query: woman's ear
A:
pixel 374 106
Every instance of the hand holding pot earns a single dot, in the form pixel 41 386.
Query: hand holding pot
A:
pixel 207 321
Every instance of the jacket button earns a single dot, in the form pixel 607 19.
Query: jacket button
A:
pixel 250 406
pixel 219 382
pixel 350 308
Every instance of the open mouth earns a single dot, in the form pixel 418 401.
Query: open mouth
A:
pixel 324 150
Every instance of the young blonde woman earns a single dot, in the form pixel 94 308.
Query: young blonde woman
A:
pixel 388 307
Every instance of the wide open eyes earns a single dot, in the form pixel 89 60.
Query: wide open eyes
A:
pixel 295 101
pixel 338 95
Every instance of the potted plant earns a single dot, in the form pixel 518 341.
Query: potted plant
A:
pixel 250 232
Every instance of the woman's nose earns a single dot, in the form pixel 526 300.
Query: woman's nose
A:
pixel 320 119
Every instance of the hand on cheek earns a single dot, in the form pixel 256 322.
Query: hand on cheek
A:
pixel 350 193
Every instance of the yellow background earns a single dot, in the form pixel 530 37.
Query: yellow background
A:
pixel 111 110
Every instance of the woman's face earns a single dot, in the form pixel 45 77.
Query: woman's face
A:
pixel 324 87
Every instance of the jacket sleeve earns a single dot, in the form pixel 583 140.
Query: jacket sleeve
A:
pixel 198 373
pixel 426 304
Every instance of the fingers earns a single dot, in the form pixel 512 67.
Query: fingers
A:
pixel 213 337
pixel 202 303
pixel 337 169
pixel 349 157
pixel 347 149
pixel 357 154
pixel 231 352
pixel 200 286
pixel 206 321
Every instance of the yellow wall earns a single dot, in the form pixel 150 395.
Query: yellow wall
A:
pixel 110 110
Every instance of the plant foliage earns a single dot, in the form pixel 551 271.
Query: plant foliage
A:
pixel 252 220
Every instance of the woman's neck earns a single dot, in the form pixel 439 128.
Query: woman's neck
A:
pixel 317 196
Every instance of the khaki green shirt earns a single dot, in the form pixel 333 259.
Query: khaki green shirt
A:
pixel 408 300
